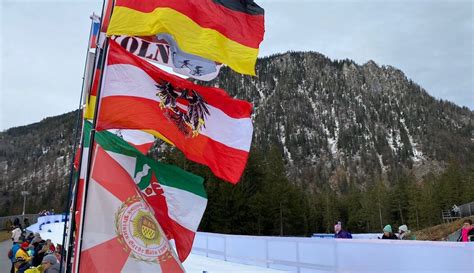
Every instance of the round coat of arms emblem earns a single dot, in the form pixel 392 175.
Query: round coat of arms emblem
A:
pixel 139 232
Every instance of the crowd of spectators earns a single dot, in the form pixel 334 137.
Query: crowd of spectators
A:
pixel 466 232
pixel 30 253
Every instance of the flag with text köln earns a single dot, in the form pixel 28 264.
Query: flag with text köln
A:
pixel 205 123
pixel 225 31
pixel 163 49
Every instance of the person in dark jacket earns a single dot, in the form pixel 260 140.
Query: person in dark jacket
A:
pixel 26 221
pixel 467 232
pixel 30 237
pixel 40 249
pixel 388 234
pixel 340 233
pixel 16 222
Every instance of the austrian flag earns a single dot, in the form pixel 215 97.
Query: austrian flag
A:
pixel 205 123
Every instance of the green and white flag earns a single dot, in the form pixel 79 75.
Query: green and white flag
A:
pixel 177 197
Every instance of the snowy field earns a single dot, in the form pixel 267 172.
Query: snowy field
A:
pixel 215 253
pixel 49 227
pixel 199 264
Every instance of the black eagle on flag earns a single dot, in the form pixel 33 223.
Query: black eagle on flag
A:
pixel 184 107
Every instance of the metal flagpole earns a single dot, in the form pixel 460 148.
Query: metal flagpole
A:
pixel 102 61
pixel 71 171
pixel 74 199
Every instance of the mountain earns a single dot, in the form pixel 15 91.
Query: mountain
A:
pixel 36 158
pixel 334 124
pixel 337 121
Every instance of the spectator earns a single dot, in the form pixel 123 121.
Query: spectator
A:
pixel 340 233
pixel 22 237
pixel 17 223
pixel 26 221
pixel 23 252
pixel 41 250
pixel 8 224
pixel 30 237
pixel 58 252
pixel 455 211
pixel 36 238
pixel 21 265
pixel 50 264
pixel 467 231
pixel 405 234
pixel 12 253
pixel 36 260
pixel 16 233
pixel 31 250
pixel 388 234
pixel 51 246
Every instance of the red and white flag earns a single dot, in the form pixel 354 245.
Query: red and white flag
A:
pixel 208 125
pixel 177 197
pixel 120 232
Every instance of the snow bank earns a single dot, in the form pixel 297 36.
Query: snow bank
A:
pixel 199 264
pixel 49 227
pixel 54 232
pixel 314 255
pixel 44 220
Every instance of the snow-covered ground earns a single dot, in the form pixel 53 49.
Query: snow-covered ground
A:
pixel 54 232
pixel 199 264
pixel 49 227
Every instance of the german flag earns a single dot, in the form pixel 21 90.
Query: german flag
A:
pixel 225 31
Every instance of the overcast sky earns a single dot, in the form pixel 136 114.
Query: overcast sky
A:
pixel 43 46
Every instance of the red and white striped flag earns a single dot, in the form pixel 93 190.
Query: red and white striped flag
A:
pixel 208 125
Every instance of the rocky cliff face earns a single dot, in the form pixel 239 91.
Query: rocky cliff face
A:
pixel 36 158
pixel 335 121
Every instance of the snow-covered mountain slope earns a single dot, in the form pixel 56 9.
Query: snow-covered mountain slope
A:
pixel 337 121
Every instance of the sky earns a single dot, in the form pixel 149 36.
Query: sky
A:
pixel 43 45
